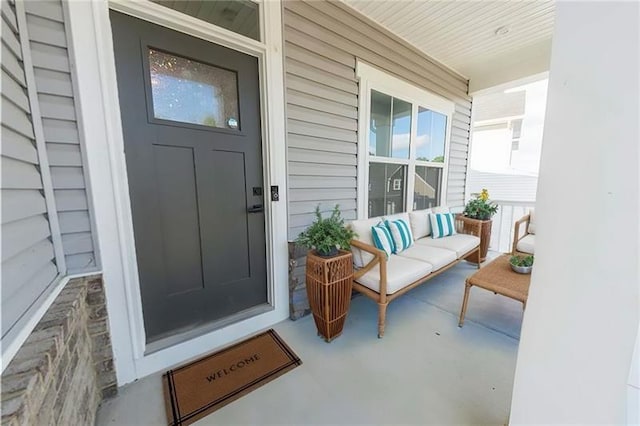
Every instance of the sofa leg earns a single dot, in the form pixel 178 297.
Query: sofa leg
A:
pixel 382 316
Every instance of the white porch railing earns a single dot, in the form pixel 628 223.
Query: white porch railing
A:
pixel 504 221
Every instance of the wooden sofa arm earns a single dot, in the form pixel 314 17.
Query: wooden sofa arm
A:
pixel 516 231
pixel 467 225
pixel 379 257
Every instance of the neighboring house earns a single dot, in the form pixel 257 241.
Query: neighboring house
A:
pixel 159 157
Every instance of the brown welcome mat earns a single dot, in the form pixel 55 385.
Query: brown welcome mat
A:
pixel 203 386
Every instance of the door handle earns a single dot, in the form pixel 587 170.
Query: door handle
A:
pixel 257 208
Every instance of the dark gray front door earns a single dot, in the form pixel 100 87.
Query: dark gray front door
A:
pixel 191 122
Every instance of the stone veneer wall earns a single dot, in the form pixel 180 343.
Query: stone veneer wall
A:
pixel 65 367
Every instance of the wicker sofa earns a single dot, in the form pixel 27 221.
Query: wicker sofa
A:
pixel 525 242
pixel 385 279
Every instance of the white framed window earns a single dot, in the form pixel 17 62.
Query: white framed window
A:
pixel 403 145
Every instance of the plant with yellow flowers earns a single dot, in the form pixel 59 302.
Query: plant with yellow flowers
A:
pixel 480 207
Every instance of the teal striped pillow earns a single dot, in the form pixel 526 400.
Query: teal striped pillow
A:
pixel 442 224
pixel 382 238
pixel 401 233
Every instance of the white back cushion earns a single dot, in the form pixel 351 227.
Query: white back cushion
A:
pixel 532 222
pixel 441 209
pixel 363 229
pixel 403 216
pixel 420 225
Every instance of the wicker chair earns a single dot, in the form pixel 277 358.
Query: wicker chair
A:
pixel 524 242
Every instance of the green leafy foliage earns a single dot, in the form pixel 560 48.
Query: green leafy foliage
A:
pixel 521 260
pixel 480 207
pixel 327 234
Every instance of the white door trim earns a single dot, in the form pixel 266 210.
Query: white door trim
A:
pixel 93 66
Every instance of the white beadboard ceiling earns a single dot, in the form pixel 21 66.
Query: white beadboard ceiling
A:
pixel 462 34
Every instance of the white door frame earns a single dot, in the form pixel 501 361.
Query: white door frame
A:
pixel 96 91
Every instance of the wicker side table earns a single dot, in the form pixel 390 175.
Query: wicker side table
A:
pixel 329 282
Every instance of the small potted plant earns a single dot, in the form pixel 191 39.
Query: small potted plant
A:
pixel 480 208
pixel 329 272
pixel 327 235
pixel 521 264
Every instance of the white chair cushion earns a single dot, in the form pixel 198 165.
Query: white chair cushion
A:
pixel 420 225
pixel 441 209
pixel 363 229
pixel 401 272
pixel 403 216
pixel 527 244
pixel 532 221
pixel 460 243
pixel 437 257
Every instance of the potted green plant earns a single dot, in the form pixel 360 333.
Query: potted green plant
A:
pixel 481 208
pixel 521 264
pixel 327 235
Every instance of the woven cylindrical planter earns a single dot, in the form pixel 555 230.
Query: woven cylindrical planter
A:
pixel 329 281
pixel 485 237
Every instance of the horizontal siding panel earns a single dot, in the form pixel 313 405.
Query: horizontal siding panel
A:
pixel 312 182
pixel 80 262
pixel 9 16
pixel 20 235
pixel 14 91
pixel 46 31
pixel 302 207
pixel 76 221
pixel 53 82
pixel 311 169
pixel 295 112
pixel 321 157
pixel 17 271
pixel 45 9
pixel 312 102
pixel 60 131
pixel 305 220
pixel 12 65
pixel 11 40
pixel 319 144
pixel 14 307
pixel 321 90
pixel 321 194
pixel 49 57
pixel 312 59
pixel 77 243
pixel 67 178
pixel 317 45
pixel 64 154
pixel 70 199
pixel 19 175
pixel 316 130
pixel 17 146
pixel 300 69
pixel 58 107
pixel 16 118
pixel 18 204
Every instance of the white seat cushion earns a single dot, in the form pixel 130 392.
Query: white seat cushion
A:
pixel 363 229
pixel 437 257
pixel 420 225
pixel 401 272
pixel 460 243
pixel 527 244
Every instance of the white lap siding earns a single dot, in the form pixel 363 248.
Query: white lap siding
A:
pixel 323 41
pixel 28 259
pixel 48 43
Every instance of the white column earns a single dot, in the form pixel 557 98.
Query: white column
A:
pixel 581 321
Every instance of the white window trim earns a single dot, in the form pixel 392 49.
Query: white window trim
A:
pixel 93 63
pixel 371 78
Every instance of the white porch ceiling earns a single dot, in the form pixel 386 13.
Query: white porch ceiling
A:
pixel 462 34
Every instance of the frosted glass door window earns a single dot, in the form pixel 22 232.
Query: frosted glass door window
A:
pixel 432 132
pixel 193 92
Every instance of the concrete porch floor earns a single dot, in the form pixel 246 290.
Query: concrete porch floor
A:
pixel 425 370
